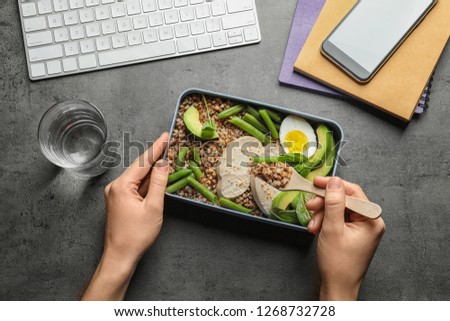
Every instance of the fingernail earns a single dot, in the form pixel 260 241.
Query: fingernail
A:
pixel 162 165
pixel 335 183
pixel 311 224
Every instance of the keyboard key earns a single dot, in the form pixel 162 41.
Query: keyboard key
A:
pixel 86 15
pixel 218 8
pixel 69 64
pixel 60 5
pixel 238 20
pixel 186 45
pixel 91 3
pixel 61 35
pixel 39 38
pixel 77 32
pixel 71 48
pixel 118 41
pixel 186 14
pixel 239 5
pixel 166 33
pixel 28 9
pixel 140 22
pixel 213 25
pixel 146 51
pixel 102 13
pixel 197 27
pixel 251 34
pixel 108 1
pixel 234 33
pixel 93 30
pixel 87 46
pixel 155 19
pixel 45 53
pixel 203 42
pixel 150 35
pixel 45 6
pixel 180 3
pixel 235 40
pixel 103 43
pixel 37 70
pixel 171 16
pixel 219 39
pixel 165 4
pixel 181 30
pixel 196 1
pixel 118 10
pixel 202 11
pixel 54 67
pixel 134 38
pixel 34 24
pixel 76 4
pixel 149 5
pixel 108 27
pixel 70 18
pixel 55 21
pixel 124 24
pixel 133 7
pixel 87 61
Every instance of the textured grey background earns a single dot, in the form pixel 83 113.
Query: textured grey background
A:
pixel 51 224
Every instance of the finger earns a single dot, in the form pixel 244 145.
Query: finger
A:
pixel 350 188
pixel 142 165
pixel 334 205
pixel 315 224
pixel 316 204
pixel 157 185
pixel 143 188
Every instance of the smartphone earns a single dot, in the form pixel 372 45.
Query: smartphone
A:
pixel 371 32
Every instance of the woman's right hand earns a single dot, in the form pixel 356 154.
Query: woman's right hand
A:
pixel 346 243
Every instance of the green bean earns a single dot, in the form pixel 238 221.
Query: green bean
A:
pixel 196 170
pixel 275 116
pixel 252 111
pixel 303 169
pixel 178 185
pixel 179 175
pixel 233 206
pixel 242 124
pixel 203 190
pixel 286 158
pixel 231 111
pixel 252 120
pixel 196 155
pixel 277 126
pixel 181 157
pixel 265 115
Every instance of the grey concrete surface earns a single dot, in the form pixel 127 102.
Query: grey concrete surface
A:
pixel 51 224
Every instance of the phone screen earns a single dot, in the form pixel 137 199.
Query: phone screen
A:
pixel 374 27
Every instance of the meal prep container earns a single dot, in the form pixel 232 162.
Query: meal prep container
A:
pixel 335 127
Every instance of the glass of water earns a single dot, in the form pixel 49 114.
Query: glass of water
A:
pixel 72 135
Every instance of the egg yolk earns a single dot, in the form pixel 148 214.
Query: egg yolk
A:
pixel 296 141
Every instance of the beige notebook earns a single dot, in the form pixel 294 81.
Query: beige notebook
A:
pixel 398 86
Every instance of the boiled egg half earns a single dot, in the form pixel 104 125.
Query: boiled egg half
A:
pixel 297 136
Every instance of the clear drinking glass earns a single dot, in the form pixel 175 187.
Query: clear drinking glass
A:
pixel 72 134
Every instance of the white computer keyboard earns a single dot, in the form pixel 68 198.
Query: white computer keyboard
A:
pixel 64 37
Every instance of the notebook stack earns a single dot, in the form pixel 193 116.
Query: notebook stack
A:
pixel 401 88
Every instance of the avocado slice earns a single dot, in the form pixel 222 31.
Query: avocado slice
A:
pixel 328 163
pixel 192 121
pixel 282 200
pixel 322 138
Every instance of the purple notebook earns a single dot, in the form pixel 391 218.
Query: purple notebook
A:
pixel 305 17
